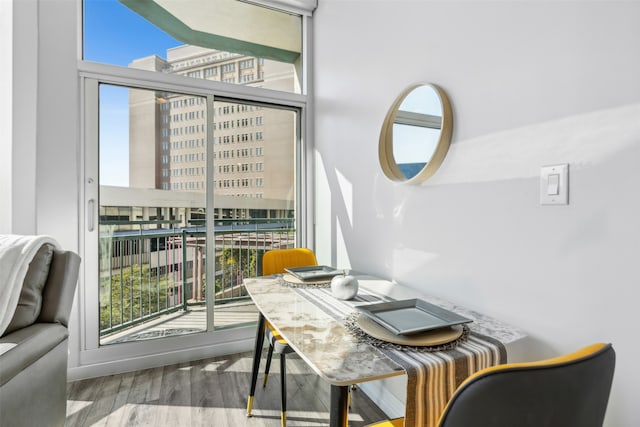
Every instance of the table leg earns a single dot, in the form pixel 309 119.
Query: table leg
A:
pixel 257 354
pixel 339 412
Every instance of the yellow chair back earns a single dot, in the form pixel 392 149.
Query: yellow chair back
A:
pixel 276 260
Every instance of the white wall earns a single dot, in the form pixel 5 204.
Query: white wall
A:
pixel 58 154
pixel 40 191
pixel 6 114
pixel 531 83
pixel 18 115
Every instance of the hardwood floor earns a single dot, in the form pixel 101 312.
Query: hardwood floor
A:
pixel 211 392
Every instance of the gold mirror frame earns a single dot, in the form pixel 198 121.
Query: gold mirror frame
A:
pixel 385 147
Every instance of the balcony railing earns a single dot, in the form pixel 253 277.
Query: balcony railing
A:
pixel 147 271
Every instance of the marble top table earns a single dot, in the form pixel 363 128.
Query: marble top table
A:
pixel 311 321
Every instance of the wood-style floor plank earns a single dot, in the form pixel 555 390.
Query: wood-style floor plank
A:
pixel 208 393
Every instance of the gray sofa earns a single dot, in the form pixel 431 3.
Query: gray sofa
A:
pixel 33 374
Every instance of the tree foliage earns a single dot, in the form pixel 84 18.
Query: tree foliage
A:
pixel 133 293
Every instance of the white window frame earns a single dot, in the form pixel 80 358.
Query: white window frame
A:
pixel 102 360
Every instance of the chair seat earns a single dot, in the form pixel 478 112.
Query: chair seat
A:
pixel 398 422
pixel 279 344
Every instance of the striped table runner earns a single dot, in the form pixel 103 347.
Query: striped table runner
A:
pixel 432 377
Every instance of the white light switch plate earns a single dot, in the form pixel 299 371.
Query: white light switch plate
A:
pixel 554 185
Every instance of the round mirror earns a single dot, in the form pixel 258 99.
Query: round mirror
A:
pixel 416 134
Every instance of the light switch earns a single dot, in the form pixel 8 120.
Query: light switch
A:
pixel 554 185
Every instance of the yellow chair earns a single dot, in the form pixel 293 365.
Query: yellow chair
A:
pixel 274 262
pixel 567 391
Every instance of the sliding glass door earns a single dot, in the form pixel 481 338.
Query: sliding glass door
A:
pixel 188 194
pixel 152 194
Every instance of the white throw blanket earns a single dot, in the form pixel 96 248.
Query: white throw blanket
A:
pixel 16 252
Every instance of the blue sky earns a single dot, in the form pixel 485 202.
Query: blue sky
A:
pixel 115 35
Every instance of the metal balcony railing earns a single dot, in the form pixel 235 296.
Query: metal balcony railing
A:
pixel 147 271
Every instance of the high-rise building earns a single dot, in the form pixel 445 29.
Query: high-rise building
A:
pixel 253 145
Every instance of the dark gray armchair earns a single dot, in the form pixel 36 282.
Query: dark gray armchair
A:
pixel 33 373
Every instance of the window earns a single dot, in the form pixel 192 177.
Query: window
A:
pixel 158 149
pixel 247 63
pixel 229 68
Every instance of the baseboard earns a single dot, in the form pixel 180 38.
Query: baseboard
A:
pixel 141 362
